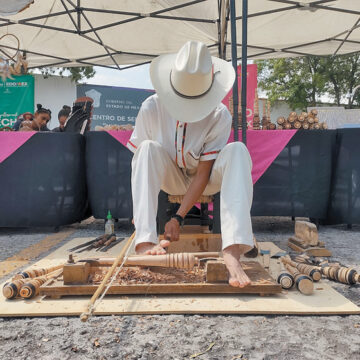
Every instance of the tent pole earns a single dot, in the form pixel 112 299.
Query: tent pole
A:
pixel 235 93
pixel 244 68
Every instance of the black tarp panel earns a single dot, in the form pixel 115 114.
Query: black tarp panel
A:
pixel 108 171
pixel 344 207
pixel 298 182
pixel 43 183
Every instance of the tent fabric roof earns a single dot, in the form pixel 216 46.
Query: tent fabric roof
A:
pixel 111 33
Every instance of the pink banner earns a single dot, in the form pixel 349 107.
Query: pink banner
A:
pixel 250 94
pixel 10 141
pixel 263 145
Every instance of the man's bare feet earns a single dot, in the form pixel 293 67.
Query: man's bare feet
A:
pixel 231 255
pixel 149 248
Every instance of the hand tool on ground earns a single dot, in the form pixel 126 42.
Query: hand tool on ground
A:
pixel 87 243
pixel 97 243
pixel 119 260
pixel 108 247
pixel 108 242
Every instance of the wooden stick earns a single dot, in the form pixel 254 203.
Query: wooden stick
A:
pixel 90 307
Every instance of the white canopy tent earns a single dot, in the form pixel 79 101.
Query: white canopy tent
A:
pixel 113 33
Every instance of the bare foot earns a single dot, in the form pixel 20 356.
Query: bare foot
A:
pixel 149 248
pixel 231 255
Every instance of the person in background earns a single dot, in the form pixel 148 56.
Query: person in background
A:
pixel 41 118
pixel 28 116
pixel 62 117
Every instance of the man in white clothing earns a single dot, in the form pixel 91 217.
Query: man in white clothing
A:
pixel 179 145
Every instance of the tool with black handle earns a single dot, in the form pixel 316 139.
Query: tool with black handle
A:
pixel 98 243
pixel 108 247
pixel 110 240
pixel 87 243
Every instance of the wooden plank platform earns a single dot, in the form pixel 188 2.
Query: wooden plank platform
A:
pixel 261 283
pixel 324 301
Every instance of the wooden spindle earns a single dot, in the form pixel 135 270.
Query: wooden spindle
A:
pixel 11 290
pixel 303 282
pixel 312 271
pixel 31 288
pixel 180 260
pixel 33 273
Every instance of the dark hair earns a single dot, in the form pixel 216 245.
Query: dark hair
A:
pixel 41 110
pixel 65 111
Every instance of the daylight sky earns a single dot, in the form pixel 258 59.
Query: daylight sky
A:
pixel 137 77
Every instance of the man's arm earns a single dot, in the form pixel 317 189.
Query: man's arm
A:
pixel 193 193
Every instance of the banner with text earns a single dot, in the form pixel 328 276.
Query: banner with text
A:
pixel 114 105
pixel 250 95
pixel 16 97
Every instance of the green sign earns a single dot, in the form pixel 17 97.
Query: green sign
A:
pixel 16 97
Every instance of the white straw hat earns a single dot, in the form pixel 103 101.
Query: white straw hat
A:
pixel 191 83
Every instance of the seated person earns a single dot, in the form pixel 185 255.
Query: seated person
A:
pixel 62 117
pixel 39 123
pixel 28 116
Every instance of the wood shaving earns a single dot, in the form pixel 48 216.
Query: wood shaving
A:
pixel 136 275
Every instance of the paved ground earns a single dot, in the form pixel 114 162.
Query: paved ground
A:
pixel 178 336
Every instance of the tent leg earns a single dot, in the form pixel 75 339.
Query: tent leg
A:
pixel 235 93
pixel 244 68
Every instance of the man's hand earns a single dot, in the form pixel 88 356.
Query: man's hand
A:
pixel 172 230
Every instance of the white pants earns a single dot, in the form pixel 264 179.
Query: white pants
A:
pixel 153 169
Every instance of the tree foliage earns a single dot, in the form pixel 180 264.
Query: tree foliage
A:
pixel 303 81
pixel 76 73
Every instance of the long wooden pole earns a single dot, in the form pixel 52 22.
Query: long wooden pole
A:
pixel 89 308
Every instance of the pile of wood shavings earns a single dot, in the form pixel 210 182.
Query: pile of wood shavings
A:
pixel 137 275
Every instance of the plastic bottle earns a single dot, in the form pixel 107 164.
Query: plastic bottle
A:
pixel 109 224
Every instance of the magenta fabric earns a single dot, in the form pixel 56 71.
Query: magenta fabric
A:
pixel 10 141
pixel 264 146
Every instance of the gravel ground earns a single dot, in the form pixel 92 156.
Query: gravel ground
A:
pixel 180 336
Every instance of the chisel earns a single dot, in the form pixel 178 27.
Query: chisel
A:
pixel 106 248
pixel 87 243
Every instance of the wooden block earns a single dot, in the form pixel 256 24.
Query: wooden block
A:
pixel 313 251
pixel 295 246
pixel 307 231
pixel 216 271
pixel 318 251
pixel 299 242
pixel 77 273
pixel 195 243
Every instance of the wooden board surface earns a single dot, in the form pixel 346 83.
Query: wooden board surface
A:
pixel 325 300
pixel 261 283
